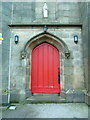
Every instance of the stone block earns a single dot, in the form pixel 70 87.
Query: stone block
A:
pixel 4 84
pixel 6 19
pixel 14 96
pixel 28 5
pixel 68 5
pixel 39 4
pixel 0 70
pixel 87 98
pixel 86 63
pixel 74 20
pixel 77 62
pixel 18 6
pixel 6 31
pixel 7 5
pixel 64 20
pixel 0 99
pixel 15 20
pixel 25 20
pixel 5 75
pixel 6 11
pixel 78 69
pixel 63 6
pixel 77 55
pixel 68 71
pixel 78 82
pixel 71 13
pixel 22 94
pixel 68 63
pixel 18 79
pixel 5 62
pixel 4 99
pixel 69 97
pixel 76 96
pixel 68 81
pixel 85 22
pixel 0 17
pixel 28 93
pixel 85 53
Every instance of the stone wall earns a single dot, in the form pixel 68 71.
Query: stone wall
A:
pixel 88 45
pixel 0 53
pixel 0 17
pixel 73 67
pixel 89 52
pixel 68 13
pixel 31 13
pixel 23 12
pixel 85 16
pixel 6 19
pixel 84 19
pixel 59 12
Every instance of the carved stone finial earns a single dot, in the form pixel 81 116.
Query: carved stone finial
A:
pixel 23 54
pixel 67 55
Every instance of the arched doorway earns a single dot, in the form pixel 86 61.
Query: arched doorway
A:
pixel 45 72
pixel 34 42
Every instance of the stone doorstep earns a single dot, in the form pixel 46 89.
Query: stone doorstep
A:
pixel 46 98
pixel 46 94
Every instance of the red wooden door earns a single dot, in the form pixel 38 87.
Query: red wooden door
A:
pixel 45 64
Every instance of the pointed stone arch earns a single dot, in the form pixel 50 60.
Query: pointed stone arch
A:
pixel 27 54
pixel 47 37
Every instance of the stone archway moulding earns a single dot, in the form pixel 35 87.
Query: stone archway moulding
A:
pixel 64 47
pixel 35 41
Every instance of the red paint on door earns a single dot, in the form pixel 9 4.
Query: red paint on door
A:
pixel 45 64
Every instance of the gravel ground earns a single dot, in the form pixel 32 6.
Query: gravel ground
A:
pixel 66 110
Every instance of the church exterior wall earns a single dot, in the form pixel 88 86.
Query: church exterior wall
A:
pixel 85 38
pixel 73 75
pixel 65 19
pixel 5 19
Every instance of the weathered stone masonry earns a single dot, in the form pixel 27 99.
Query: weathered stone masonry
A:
pixel 69 67
pixel 65 20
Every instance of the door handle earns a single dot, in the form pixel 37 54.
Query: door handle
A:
pixel 58 75
pixel 59 78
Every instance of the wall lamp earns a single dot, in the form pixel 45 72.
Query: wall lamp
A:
pixel 16 39
pixel 45 28
pixel 76 39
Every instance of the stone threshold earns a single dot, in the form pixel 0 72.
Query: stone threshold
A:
pixel 45 99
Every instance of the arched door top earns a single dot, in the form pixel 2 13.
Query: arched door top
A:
pixel 49 38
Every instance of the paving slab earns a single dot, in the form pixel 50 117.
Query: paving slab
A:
pixel 48 110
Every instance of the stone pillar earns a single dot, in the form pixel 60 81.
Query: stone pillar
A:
pixel 23 81
pixel 87 95
pixel 62 78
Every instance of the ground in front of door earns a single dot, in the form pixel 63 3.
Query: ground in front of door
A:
pixel 49 110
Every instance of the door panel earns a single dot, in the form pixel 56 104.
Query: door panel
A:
pixel 45 63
